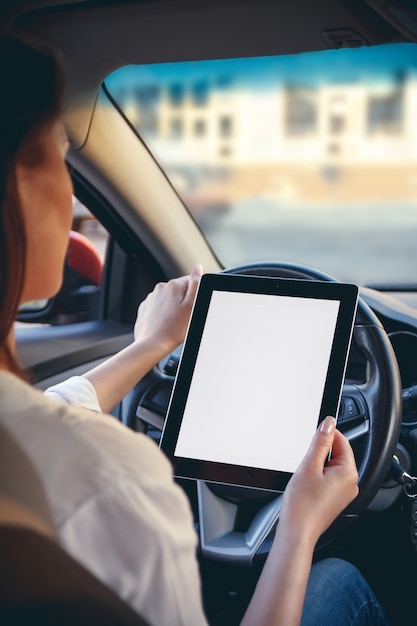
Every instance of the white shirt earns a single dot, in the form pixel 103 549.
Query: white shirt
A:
pixel 115 504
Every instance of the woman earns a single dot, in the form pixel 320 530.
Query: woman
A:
pixel 113 499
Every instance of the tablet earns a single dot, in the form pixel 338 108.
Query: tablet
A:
pixel 263 363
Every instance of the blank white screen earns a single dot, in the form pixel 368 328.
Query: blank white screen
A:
pixel 258 382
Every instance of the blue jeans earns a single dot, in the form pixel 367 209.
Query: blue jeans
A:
pixel 337 594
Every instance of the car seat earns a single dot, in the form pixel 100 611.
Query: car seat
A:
pixel 39 582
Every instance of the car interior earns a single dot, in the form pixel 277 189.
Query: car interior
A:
pixel 315 193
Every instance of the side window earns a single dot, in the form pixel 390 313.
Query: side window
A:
pixel 84 222
pixel 78 297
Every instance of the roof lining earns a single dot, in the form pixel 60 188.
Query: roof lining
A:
pixel 94 40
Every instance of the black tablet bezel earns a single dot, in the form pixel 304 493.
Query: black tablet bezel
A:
pixel 345 293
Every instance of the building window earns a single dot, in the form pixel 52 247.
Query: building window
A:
pixel 176 128
pixel 300 111
pixel 337 124
pixel 225 151
pixel 176 94
pixel 200 128
pixel 147 122
pixel 385 113
pixel 146 96
pixel 145 103
pixel 225 126
pixel 200 92
pixel 337 115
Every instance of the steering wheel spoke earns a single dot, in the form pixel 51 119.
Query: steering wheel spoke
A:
pixel 219 538
pixel 353 419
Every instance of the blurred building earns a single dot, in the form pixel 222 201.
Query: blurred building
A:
pixel 232 136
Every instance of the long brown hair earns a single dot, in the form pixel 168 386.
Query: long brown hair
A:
pixel 30 101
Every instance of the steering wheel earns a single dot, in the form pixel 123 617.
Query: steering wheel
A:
pixel 370 418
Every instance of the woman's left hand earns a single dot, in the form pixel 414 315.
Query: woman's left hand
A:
pixel 164 315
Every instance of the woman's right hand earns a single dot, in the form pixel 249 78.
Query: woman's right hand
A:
pixel 318 492
pixel 314 497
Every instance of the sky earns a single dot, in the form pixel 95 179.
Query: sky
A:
pixel 376 64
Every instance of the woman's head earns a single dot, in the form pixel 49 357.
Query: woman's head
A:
pixel 35 190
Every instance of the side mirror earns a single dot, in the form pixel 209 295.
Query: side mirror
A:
pixel 78 298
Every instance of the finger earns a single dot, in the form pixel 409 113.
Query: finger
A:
pixel 197 272
pixel 342 452
pixel 193 281
pixel 321 443
pixel 343 462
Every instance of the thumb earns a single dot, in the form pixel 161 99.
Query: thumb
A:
pixel 196 272
pixel 321 443
pixel 193 281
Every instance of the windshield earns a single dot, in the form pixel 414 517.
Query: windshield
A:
pixel 308 158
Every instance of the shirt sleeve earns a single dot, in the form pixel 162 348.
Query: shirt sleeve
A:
pixel 76 390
